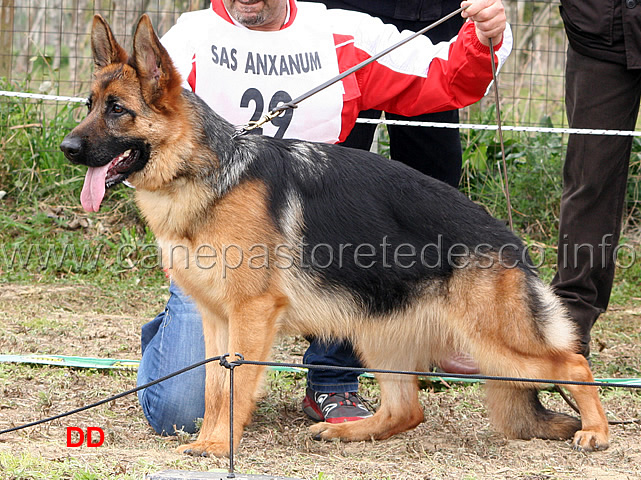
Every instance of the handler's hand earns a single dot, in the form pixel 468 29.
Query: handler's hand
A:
pixel 489 19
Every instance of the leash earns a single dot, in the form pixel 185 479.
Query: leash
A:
pixel 280 109
pixel 269 116
pixel 500 132
pixel 573 406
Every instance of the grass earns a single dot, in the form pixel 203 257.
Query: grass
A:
pixel 456 411
pixel 31 467
pixel 28 466
pixel 110 260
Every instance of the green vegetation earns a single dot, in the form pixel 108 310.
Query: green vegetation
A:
pixel 45 236
pixel 30 467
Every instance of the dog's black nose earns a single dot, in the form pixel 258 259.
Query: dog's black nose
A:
pixel 71 147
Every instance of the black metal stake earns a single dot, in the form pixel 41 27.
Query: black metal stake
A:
pixel 231 421
pixel 231 366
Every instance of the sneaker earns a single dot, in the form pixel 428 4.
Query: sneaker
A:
pixel 334 407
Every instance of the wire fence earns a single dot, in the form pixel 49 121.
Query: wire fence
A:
pixel 45 49
pixel 45 45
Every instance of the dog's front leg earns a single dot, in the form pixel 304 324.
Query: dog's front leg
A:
pixel 252 329
pixel 216 334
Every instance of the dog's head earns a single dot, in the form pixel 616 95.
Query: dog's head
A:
pixel 132 102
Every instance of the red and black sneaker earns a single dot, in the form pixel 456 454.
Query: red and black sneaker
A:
pixel 334 407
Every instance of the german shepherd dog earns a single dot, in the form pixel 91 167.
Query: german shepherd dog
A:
pixel 329 242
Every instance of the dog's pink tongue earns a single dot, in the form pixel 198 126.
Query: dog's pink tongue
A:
pixel 93 191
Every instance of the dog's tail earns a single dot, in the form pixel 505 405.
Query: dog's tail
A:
pixel 518 413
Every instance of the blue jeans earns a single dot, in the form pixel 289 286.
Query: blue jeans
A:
pixel 174 340
pixel 338 353
pixel 171 341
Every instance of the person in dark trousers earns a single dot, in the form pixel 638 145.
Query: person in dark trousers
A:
pixel 603 90
pixel 433 151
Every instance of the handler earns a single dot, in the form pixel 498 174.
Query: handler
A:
pixel 244 57
pixel 602 90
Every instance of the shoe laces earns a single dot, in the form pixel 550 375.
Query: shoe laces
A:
pixel 347 398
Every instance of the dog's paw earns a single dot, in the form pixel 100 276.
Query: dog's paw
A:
pixel 366 429
pixel 589 441
pixel 324 431
pixel 203 448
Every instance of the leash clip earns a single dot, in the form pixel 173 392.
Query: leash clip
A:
pixel 268 117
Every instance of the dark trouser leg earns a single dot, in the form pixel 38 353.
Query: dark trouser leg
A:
pixel 337 353
pixel 433 151
pixel 436 152
pixel 362 134
pixel 598 95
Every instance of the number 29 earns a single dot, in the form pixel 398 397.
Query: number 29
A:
pixel 282 121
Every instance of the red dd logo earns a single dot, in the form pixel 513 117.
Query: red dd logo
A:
pixel 79 439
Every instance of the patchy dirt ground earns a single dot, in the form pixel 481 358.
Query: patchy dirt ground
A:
pixel 455 442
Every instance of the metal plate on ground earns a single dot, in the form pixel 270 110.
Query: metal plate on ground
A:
pixel 183 475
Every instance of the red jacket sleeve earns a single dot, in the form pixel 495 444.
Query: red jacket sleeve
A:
pixel 423 78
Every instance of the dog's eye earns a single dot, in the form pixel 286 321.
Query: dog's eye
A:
pixel 117 109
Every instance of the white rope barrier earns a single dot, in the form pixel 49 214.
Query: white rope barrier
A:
pixel 513 128
pixel 407 123
pixel 40 96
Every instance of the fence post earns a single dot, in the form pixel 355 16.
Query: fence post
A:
pixel 6 37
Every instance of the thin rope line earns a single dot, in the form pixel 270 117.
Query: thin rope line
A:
pixel 497 103
pixel 439 374
pixel 110 399
pixel 241 361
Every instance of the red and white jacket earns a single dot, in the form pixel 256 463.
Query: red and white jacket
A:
pixel 243 73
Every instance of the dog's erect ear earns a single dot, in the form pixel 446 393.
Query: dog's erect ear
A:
pixel 103 44
pixel 158 76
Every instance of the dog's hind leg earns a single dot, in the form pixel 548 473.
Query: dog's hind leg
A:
pixel 515 409
pixel 594 433
pixel 516 327
pixel 252 328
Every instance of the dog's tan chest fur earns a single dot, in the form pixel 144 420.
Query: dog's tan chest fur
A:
pixel 215 248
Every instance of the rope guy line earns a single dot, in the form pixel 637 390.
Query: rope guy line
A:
pixel 406 123
pixel 241 361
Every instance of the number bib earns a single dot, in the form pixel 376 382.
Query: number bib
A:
pixel 260 70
